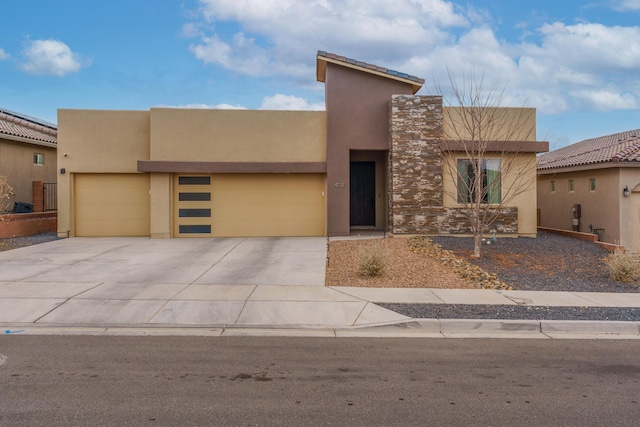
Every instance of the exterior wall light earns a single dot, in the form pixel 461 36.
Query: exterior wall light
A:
pixel 626 191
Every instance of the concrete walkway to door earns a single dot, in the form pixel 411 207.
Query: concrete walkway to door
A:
pixel 212 282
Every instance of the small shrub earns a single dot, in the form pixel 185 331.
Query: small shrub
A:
pixel 623 267
pixel 372 260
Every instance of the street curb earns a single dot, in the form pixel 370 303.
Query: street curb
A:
pixel 416 328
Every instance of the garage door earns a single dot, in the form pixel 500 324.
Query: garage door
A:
pixel 249 205
pixel 112 205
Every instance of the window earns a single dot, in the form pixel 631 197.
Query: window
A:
pixel 194 180
pixel 571 185
pixel 592 184
pixel 553 186
pixel 490 180
pixel 38 159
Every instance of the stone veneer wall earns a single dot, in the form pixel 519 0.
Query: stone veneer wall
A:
pixel 415 173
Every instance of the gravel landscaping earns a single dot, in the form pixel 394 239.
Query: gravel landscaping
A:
pixel 513 312
pixel 550 262
pixel 19 242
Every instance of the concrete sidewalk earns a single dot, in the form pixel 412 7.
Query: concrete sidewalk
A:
pixel 238 286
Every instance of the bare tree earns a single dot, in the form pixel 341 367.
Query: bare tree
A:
pixel 6 191
pixel 483 142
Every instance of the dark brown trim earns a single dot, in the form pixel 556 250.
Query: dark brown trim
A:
pixel 165 166
pixel 499 146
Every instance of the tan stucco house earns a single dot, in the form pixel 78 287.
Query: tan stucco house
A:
pixel 27 153
pixel 594 186
pixel 374 159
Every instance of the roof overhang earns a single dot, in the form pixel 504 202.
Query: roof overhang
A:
pixel 165 166
pixel 497 146
pixel 27 140
pixel 589 167
pixel 321 70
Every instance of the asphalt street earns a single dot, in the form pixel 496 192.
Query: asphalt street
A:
pixel 86 380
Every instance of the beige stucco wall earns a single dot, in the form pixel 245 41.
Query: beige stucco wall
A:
pixel 518 186
pixel 600 208
pixel 16 163
pixel 207 135
pixel 630 209
pixel 96 141
pixel 497 124
pixel 161 199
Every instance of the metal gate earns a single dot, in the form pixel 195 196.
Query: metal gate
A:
pixel 50 196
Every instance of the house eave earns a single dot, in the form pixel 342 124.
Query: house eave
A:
pixel 588 167
pixel 321 72
pixel 166 166
pixel 496 146
pixel 28 140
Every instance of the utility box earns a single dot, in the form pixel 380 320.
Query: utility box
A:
pixel 577 211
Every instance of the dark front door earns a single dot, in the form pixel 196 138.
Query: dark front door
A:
pixel 363 193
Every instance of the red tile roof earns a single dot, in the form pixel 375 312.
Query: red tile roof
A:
pixel 619 147
pixel 15 124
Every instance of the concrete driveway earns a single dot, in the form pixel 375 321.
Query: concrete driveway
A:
pixel 221 282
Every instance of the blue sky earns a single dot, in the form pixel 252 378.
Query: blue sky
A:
pixel 577 62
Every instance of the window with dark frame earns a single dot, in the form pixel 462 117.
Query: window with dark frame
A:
pixel 491 181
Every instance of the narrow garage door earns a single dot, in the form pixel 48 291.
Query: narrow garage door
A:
pixel 250 205
pixel 112 204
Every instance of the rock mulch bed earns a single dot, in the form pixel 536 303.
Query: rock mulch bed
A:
pixel 476 275
pixel 511 312
pixel 19 242
pixel 404 268
pixel 550 262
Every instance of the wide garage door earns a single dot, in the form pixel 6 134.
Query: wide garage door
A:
pixel 112 205
pixel 224 205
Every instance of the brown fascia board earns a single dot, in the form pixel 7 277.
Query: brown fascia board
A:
pixel 321 71
pixel 499 146
pixel 165 166
pixel 589 167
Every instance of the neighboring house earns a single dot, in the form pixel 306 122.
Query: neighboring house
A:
pixel 602 176
pixel 27 153
pixel 372 160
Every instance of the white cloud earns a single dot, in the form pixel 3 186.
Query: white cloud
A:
pixel 4 55
pixel 592 45
pixel 605 100
pixel 204 106
pixel 625 5
pixel 51 57
pixel 241 55
pixel 190 30
pixel 556 68
pixel 288 102
pixel 281 36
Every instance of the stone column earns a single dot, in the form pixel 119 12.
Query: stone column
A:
pixel 415 164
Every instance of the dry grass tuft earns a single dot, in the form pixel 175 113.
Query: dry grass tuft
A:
pixel 623 267
pixel 372 260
